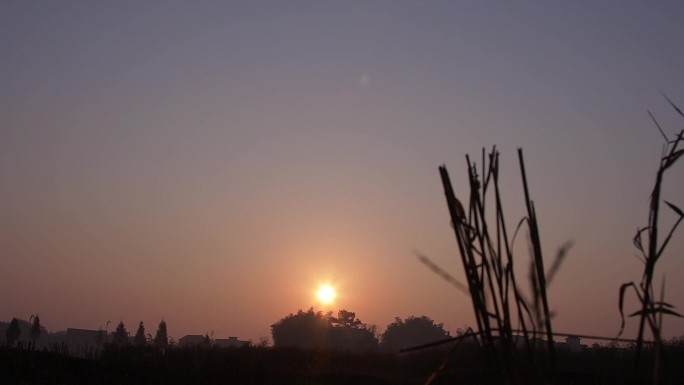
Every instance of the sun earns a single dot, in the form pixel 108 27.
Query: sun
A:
pixel 326 294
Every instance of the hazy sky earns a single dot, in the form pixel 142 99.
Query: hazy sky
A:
pixel 213 162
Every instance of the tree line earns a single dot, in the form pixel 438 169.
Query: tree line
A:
pixel 314 330
pixel 13 331
pixel 304 329
pixel 160 340
pixel 120 336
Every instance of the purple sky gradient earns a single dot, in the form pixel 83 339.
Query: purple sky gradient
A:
pixel 212 163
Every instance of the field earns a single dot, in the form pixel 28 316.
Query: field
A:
pixel 258 365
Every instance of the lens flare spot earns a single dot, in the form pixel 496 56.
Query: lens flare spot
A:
pixel 365 79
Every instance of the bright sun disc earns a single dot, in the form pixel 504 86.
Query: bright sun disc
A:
pixel 326 294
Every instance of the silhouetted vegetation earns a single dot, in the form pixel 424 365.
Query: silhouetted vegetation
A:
pixel 161 339
pixel 486 250
pixel 303 329
pixel 653 310
pixel 13 332
pixel 412 331
pixel 139 339
pixel 346 332
pixel 35 329
pixel 315 330
pixel 120 335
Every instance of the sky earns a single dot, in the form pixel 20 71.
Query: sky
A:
pixel 212 163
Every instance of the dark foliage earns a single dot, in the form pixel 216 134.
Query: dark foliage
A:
pixel 120 335
pixel 206 341
pixel 139 339
pixel 304 329
pixel 412 331
pixel 35 329
pixel 314 330
pixel 346 332
pixel 161 339
pixel 13 332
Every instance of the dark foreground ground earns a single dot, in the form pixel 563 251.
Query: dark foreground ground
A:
pixel 296 366
pixel 209 366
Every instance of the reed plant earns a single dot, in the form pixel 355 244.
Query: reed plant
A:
pixel 507 320
pixel 651 248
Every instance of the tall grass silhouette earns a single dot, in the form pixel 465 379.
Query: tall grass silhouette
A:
pixel 486 249
pixel 514 354
pixel 652 309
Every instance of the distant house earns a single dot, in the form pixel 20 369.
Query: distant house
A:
pixel 85 337
pixel 198 340
pixel 230 342
pixel 534 343
pixel 574 343
pixel 191 340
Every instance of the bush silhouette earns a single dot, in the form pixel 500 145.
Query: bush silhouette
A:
pixel 13 332
pixel 412 331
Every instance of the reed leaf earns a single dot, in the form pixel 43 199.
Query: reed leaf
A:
pixel 673 105
pixel 675 208
pixel 656 310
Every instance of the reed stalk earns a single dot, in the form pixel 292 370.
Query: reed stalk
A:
pixel 487 259
pixel 652 310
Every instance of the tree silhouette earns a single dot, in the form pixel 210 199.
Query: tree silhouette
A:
pixel 13 332
pixel 346 332
pixel 206 341
pixel 139 339
pixel 304 329
pixel 35 329
pixel 161 340
pixel 312 329
pixel 347 319
pixel 120 335
pixel 412 331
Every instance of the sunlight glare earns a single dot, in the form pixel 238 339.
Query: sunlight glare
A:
pixel 326 294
